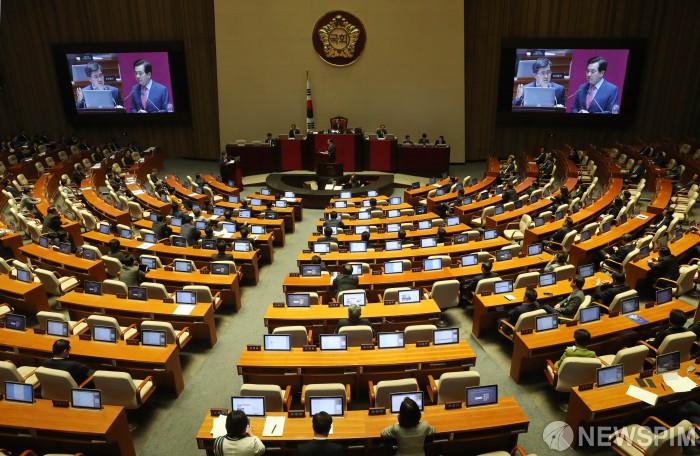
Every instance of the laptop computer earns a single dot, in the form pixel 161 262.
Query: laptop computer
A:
pixel 333 342
pixel 153 338
pixel 310 270
pixel 179 241
pixel 390 340
pixel 524 69
pixel 358 246
pixel 668 363
pixel 393 245
pixel 208 244
pixel 15 322
pixel 358 298
pixel 476 396
pixel 547 279
pixel 409 296
pixel 333 405
pixel 630 305
pixel 546 323
pixel 83 398
pixel 393 267
pixel 277 342
pixel 98 99
pixel 586 270
pixel 446 336
pixel 183 266
pixel 428 242
pixel 19 392
pixel 104 334
pixel 398 398
pixel 188 297
pixel 322 247
pixel 57 328
pixel 24 276
pixel 393 228
pixel 243 246
pixel 470 260
pixel 610 375
pixel 432 264
pixel 220 269
pixel 92 288
pixel 664 296
pixel 452 221
pixel 504 255
pixel 258 229
pixel 534 249
pixel 503 286
pixel 589 314
pixel 138 293
pixel 364 216
pixel 298 300
pixel 490 234
pixel 253 406
pixel 425 225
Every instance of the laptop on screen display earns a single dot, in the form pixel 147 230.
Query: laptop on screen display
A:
pixel 15 322
pixel 504 255
pixel 425 225
pixel 490 234
pixel 630 305
pixel 183 266
pixel 220 269
pixel 358 247
pixel 503 286
pixel 470 260
pixel 547 279
pixel 186 297
pixel 310 270
pixel 137 293
pixel 664 296
pixel 354 298
pixel 432 264
pixel 104 334
pixel 586 270
pixel 393 267
pixel 393 245
pixel 534 249
pixel 93 288
pixel 668 363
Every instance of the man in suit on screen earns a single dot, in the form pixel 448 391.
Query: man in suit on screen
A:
pixel 97 82
pixel 542 72
pixel 597 96
pixel 148 95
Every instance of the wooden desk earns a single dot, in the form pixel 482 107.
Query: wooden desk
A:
pixel 607 336
pixel 324 320
pixel 147 202
pixel 99 207
pixel 355 210
pixel 479 429
pixel 258 158
pixel 70 265
pixel 413 195
pixel 27 297
pixel 163 364
pixel 480 186
pixel 228 286
pixel 611 406
pixel 412 236
pixel 200 321
pixel 219 188
pixel 180 189
pixel 488 309
pixel 151 159
pixel 41 425
pixel 13 242
pixel 637 271
pixel 423 160
pixel 284 213
pixel 46 189
pixel 354 367
pixel 294 203
pixel 382 221
pixel 167 253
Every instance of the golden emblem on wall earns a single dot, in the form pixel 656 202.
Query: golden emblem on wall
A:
pixel 339 38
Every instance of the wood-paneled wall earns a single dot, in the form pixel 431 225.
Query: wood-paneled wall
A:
pixel 670 86
pixel 30 96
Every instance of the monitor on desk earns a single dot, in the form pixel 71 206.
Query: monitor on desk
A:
pixel 65 248
pixel 610 375
pixel 420 210
pixel 340 204
pixel 208 244
pixel 359 229
pixel 153 217
pixel 461 238
pixel 539 221
pixel 44 242
pixel 198 190
pixel 24 276
pixel 176 221
pixel 534 249
pixel 345 195
pixel 19 392
pixel 179 241
pixel 153 338
pixel 229 227
pixel 395 200
pixel 664 296
pixel 398 398
pixel 644 252
pixel 138 293
pixel 428 242
pixel 242 246
pixel 452 221
pixel 104 334
pixel 481 395
pixel 333 342
pixel 290 195
pixel 432 180
pixel 322 247
pixel 57 328
pixel 589 314
pixel 547 279
pixel 623 219
pixel 678 235
pixel 586 270
pixel 277 342
pixel 490 234
pixel 393 267
pixel 503 286
pixel 432 264
pixel 333 405
pixel 390 340
pixel 15 322
pixel 201 225
pixel 365 203
pixel 104 229
pixel 425 224
pixel 439 192
pixel 150 262
pixel 668 363
pixel 271 215
pixel 498 210
pixel 575 208
pixel 232 199
pixel 356 269
pixel 447 336
pixel 196 206
pixel 394 244
pixel 252 405
pixel 92 288
pixel 183 266
pixel 219 211
pixel 504 255
pixel 187 297
pixel 518 204
pixel 415 185
pixel 605 227
pixel 393 213
pixel 393 227
pixel 546 323
pixel 259 229
pixel 366 215
pixel 409 296
pixel 470 260
pixel 662 241
pixel 298 300
pixel 220 269
pixel 83 398
pixel 149 238
pixel 265 191
pixel 558 215
pixel 310 270
pixel 585 235
pixel 372 193
pixel 126 233
pixel 244 213
pixel 630 305
pixel 359 298
pixel 281 204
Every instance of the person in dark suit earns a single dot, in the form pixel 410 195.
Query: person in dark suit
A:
pixel 61 351
pixel 293 130
pixel 620 253
pixel 560 234
pixel 327 235
pixel 677 319
pixel 569 306
pixel 337 125
pixel 440 140
pixel 665 220
pixel 317 260
pixel 541 157
pixel 542 72
pixel 354 318
pixel 345 281
pixel 381 132
pixel 94 73
pixel 175 210
pixel 268 209
pixel 637 172
pixel 597 96
pixel 606 292
pixel 221 254
pixel 269 140
pixel 407 141
pixel 115 250
pixel 77 175
pixel 665 267
pixel 320 445
pixel 485 274
pixel 331 150
pixel 529 304
pixel 160 228
pixel 423 140
pixel 509 194
pixel 131 275
pixel 547 169
pixel 148 95
pixel 365 237
pixel 189 231
pixel 334 220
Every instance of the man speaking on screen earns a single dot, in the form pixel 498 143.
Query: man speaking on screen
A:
pixel 96 77
pixel 597 96
pixel 148 95
pixel 542 71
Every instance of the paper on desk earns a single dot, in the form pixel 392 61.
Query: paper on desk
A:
pixel 677 383
pixel 274 426
pixel 212 217
pixel 183 309
pixel 84 189
pixel 290 200
pixel 643 395
pixel 145 245
pixel 642 216
pixel 193 195
pixel 137 192
pixel 328 187
pixel 219 427
pixel 437 185
pixel 510 297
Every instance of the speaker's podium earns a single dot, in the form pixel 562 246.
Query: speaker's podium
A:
pixel 326 168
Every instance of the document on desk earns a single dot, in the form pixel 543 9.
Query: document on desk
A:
pixel 183 309
pixel 677 383
pixel 193 195
pixel 642 216
pixel 509 297
pixel 289 200
pixel 137 192
pixel 637 319
pixel 145 246
pixel 643 395
pixel 219 427
pixel 274 426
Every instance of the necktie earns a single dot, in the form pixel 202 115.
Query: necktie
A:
pixel 144 97
pixel 589 97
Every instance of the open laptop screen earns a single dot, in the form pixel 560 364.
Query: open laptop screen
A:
pixel 534 249
pixel 24 276
pixel 470 260
pixel 354 298
pixel 503 286
pixel 186 297
pixel 86 398
pixel 481 395
pixel 358 247
pixel 310 270
pixel 398 398
pixel 490 234
pixel 252 405
pixel 333 405
pixel 393 245
pixel 446 336
pixel 390 340
pixel 630 305
pixel 220 269
pixel 547 279
pixel 393 267
pixel 587 270
pixel 137 293
pixel 664 296
pixel 104 334
pixel 611 375
pixel 432 264
pixel 183 266
pixel 322 247
pixel 504 255
pixel 19 392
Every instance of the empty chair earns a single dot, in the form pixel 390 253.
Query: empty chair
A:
pixel 114 287
pixel 298 335
pixel 112 265
pixel 4 267
pixel 156 290
pixel 22 179
pixel 325 390
pixel 640 439
pixel 204 295
pixel 480 222
pixel 450 386
pixel 408 212
pixel 515 249
pixel 74 327
pixel 414 333
pixel 527 279
pixel 276 399
pixel 379 393
pixel 573 371
pixel 517 234
pixel 135 211
pixel 445 260
pixel 684 283
pixel 437 222
pixel 445 293
pixel 392 294
pixel 5 309
pixel 565 272
pixel 180 337
pixel 22 374
pixel 55 384
pixel 526 320
pixel 343 293
pixel 12 159
pixel 631 357
pixel 54 285
pixel 357 335
pixel 124 332
pixel 86 163
pixel 211 198
pixel 119 388
pixel 486 285
pixel 40 168
pixel 92 248
pixel 89 221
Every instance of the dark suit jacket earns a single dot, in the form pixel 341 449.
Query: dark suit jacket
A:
pixel 471 285
pixel 327 239
pixel 547 168
pixel 331 152
pixel 570 305
pixel 605 295
pixel 131 276
pixel 80 372
pixel 667 267
pixel 158 98
pixel 190 233
pixel 347 322
pixel 558 93
pixel 622 253
pixel 162 230
pixel 381 133
pixel 510 195
pixel 334 222
pixel 603 100
pixel 220 257
pixel 560 234
pixel 514 314
pixel 637 172
pixel 319 448
pixel 115 96
pixel 661 335
pixel 345 282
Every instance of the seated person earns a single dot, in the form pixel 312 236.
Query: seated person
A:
pixel 441 235
pixel 407 141
pixel 637 172
pixel 59 360
pixel 189 231
pixel 615 208
pixel 317 260
pixel 560 234
pixel 161 229
pixel 569 306
pixel 197 215
pixel 345 280
pixel 321 423
pixel 221 254
pixel 245 235
pixel 581 338
pixel 115 250
pixel 327 235
pixel 268 208
pixel 365 236
pixel 560 259
pixel 175 210
pixel 334 220
pixel 606 292
pixel 509 194
pixel 52 221
pixel 131 275
pixel 677 319
pixel 486 273
pixel 239 438
pixel 529 304
pixel 440 140
pixel 78 175
pixel 423 140
pixel 619 253
pixel 664 219
pixel 666 266
pixel 209 233
pixel 354 318
pixel 63 236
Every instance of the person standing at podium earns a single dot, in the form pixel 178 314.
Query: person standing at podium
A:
pixel 331 151
pixel 381 133
pixel 293 130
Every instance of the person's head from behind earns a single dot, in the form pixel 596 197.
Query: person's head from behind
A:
pixel 236 424
pixel 196 212
pixel 402 235
pixel 664 251
pixel 365 236
pixel 668 212
pixel 677 318
pixel 569 222
pixel 582 337
pixel 114 245
pixel 174 207
pixel 61 347
pixel 373 202
pixel 315 259
pixel 228 214
pixel 627 238
pixel 334 215
pixel 129 260
pixel 244 232
pixel 94 73
pixel 577 282
pixel 62 234
pixel 209 231
pixel 595 71
pixel 409 413
pixel 618 278
pixel 354 312
pixel 221 246
pixel 321 423
pixel 542 71
pixel 530 295
pixel 142 72
pixel 486 267
pixel 441 234
pixel 347 269
pixel 186 219
pixel 328 231
pixel 561 258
